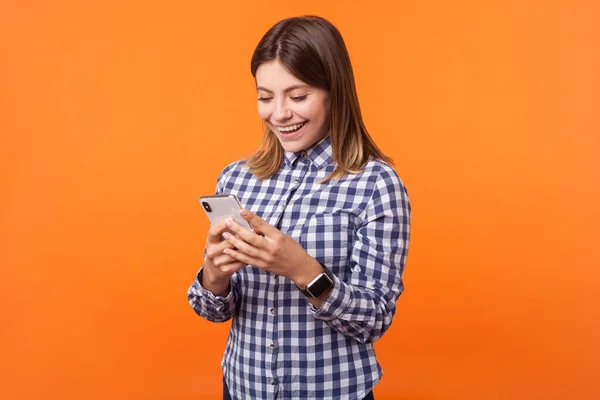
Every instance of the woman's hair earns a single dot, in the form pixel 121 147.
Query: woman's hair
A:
pixel 312 50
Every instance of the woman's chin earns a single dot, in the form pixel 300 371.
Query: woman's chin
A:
pixel 292 147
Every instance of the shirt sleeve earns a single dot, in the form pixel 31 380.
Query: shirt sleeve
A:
pixel 363 307
pixel 206 304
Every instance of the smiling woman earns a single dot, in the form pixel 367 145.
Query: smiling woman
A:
pixel 296 113
pixel 316 283
pixel 304 74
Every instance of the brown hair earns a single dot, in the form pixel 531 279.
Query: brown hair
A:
pixel 312 50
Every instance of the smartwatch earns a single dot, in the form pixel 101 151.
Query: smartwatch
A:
pixel 321 284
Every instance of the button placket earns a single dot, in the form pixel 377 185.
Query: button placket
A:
pixel 271 346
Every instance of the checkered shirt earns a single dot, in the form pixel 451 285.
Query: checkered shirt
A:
pixel 280 346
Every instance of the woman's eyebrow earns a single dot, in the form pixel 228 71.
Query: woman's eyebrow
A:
pixel 286 90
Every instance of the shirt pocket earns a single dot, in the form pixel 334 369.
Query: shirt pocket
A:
pixel 328 238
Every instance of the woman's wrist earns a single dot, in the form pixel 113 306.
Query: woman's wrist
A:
pixel 219 286
pixel 309 271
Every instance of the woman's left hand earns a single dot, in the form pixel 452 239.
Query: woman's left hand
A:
pixel 270 249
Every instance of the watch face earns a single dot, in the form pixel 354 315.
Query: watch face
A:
pixel 320 285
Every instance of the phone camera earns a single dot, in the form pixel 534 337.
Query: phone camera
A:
pixel 206 206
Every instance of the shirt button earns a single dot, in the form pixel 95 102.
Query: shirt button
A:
pixel 303 154
pixel 274 276
pixel 296 181
pixel 272 311
pixel 272 346
pixel 272 381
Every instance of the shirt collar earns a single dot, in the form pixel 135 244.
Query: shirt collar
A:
pixel 320 154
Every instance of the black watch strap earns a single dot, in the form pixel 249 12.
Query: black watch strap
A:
pixel 321 284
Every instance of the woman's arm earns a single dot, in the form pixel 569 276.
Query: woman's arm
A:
pixel 363 306
pixel 214 293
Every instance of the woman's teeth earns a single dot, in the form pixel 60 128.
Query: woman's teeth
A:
pixel 291 128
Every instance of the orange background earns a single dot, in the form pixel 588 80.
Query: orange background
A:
pixel 115 116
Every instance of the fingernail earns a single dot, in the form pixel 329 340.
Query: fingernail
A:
pixel 226 235
pixel 244 212
pixel 229 223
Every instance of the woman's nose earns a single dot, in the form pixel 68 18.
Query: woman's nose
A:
pixel 282 112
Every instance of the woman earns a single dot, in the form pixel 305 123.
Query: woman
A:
pixel 316 284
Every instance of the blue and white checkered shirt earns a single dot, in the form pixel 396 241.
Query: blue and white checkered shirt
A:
pixel 280 346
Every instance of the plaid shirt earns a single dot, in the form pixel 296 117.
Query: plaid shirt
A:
pixel 280 346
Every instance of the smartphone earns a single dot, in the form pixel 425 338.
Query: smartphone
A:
pixel 219 207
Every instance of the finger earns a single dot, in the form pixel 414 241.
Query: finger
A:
pixel 241 245
pixel 215 250
pixel 223 245
pixel 229 266
pixel 244 258
pixel 215 232
pixel 246 234
pixel 260 225
pixel 222 261
pixel 234 267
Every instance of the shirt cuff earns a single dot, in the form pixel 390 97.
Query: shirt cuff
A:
pixel 335 304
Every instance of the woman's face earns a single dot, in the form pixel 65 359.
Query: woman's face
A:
pixel 296 112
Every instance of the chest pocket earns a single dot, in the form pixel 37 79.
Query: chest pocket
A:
pixel 329 238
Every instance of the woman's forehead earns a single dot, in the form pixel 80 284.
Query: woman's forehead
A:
pixel 273 75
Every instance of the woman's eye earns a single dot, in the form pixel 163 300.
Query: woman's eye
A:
pixel 299 98
pixel 265 99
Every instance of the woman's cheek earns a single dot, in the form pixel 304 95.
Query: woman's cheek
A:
pixel 308 109
pixel 264 112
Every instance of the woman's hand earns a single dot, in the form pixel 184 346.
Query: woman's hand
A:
pixel 218 267
pixel 269 249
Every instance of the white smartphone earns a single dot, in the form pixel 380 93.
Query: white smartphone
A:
pixel 219 207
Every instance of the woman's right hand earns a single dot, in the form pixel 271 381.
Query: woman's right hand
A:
pixel 218 267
